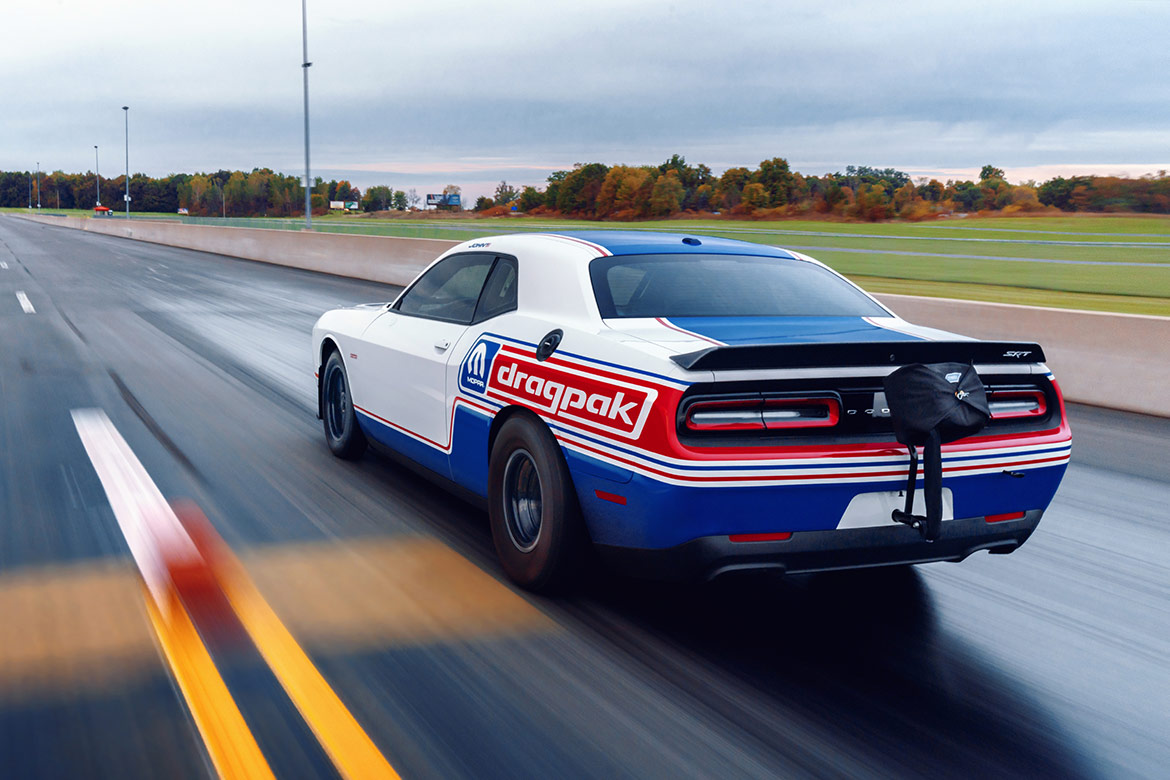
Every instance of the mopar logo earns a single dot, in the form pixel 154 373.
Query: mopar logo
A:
pixel 476 366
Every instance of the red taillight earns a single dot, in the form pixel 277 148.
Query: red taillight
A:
pixel 1016 404
pixel 731 415
pixel 801 412
pixel 762 414
pixel 1003 517
pixel 777 537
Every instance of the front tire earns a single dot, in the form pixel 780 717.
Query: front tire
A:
pixel 342 434
pixel 536 522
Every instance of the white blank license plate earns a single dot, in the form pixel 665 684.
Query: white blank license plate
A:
pixel 868 510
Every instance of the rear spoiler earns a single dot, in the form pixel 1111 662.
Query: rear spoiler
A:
pixel 867 353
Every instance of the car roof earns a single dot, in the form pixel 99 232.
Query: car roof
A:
pixel 580 246
pixel 644 242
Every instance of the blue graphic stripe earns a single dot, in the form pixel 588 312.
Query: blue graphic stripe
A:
pixel 633 242
pixel 789 330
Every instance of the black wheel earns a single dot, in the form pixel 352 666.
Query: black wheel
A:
pixel 536 521
pixel 342 433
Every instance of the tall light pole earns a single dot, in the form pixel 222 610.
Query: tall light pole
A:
pixel 97 173
pixel 126 109
pixel 38 184
pixel 305 65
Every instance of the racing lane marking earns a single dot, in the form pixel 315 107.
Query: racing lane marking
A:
pixel 79 629
pixel 232 747
pixel 152 530
pixel 3 266
pixel 348 746
pixel 167 548
pixel 25 303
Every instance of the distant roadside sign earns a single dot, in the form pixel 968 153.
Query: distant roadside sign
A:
pixel 443 200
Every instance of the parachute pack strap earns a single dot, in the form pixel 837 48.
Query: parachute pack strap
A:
pixel 930 524
pixel 907 515
pixel 932 485
pixel 911 480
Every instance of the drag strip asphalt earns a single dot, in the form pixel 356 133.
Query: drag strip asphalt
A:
pixel 1054 660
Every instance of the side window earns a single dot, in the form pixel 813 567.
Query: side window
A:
pixel 448 291
pixel 499 294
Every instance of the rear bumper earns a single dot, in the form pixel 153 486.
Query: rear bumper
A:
pixel 811 551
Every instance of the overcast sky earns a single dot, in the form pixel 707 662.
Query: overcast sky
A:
pixel 425 93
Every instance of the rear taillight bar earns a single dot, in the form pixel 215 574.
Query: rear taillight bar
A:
pixel 1017 404
pixel 762 414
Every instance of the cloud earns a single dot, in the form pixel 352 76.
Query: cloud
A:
pixel 472 91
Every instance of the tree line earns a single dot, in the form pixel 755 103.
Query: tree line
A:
pixel 230 193
pixel 773 190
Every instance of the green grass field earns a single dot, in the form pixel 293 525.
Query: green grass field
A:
pixel 974 258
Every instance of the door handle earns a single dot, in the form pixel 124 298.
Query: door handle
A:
pixel 442 345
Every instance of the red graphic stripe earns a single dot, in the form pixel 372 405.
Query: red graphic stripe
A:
pixel 595 247
pixel 451 425
pixel 792 477
pixel 691 333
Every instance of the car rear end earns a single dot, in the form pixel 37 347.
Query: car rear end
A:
pixel 798 469
pixel 776 449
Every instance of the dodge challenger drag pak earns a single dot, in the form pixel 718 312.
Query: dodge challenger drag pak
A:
pixel 686 406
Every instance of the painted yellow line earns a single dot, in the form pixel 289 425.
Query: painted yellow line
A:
pixel 348 746
pixel 230 744
pixel 162 546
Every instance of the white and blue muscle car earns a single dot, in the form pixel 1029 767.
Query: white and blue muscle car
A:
pixel 684 405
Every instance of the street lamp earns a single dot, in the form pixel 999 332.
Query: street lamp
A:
pixel 38 184
pixel 98 174
pixel 305 65
pixel 126 109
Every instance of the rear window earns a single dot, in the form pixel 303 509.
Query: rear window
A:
pixel 722 286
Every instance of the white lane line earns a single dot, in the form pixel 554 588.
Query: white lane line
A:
pixel 156 538
pixel 25 303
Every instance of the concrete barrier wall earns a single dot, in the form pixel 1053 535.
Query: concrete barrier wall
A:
pixel 376 258
pixel 1121 361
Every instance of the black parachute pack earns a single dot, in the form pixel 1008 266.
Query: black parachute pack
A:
pixel 930 405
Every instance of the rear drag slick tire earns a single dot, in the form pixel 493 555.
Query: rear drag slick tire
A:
pixel 536 522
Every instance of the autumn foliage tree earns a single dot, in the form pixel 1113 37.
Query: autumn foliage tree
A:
pixel 595 190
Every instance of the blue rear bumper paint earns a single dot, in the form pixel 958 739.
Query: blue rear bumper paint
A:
pixel 658 515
